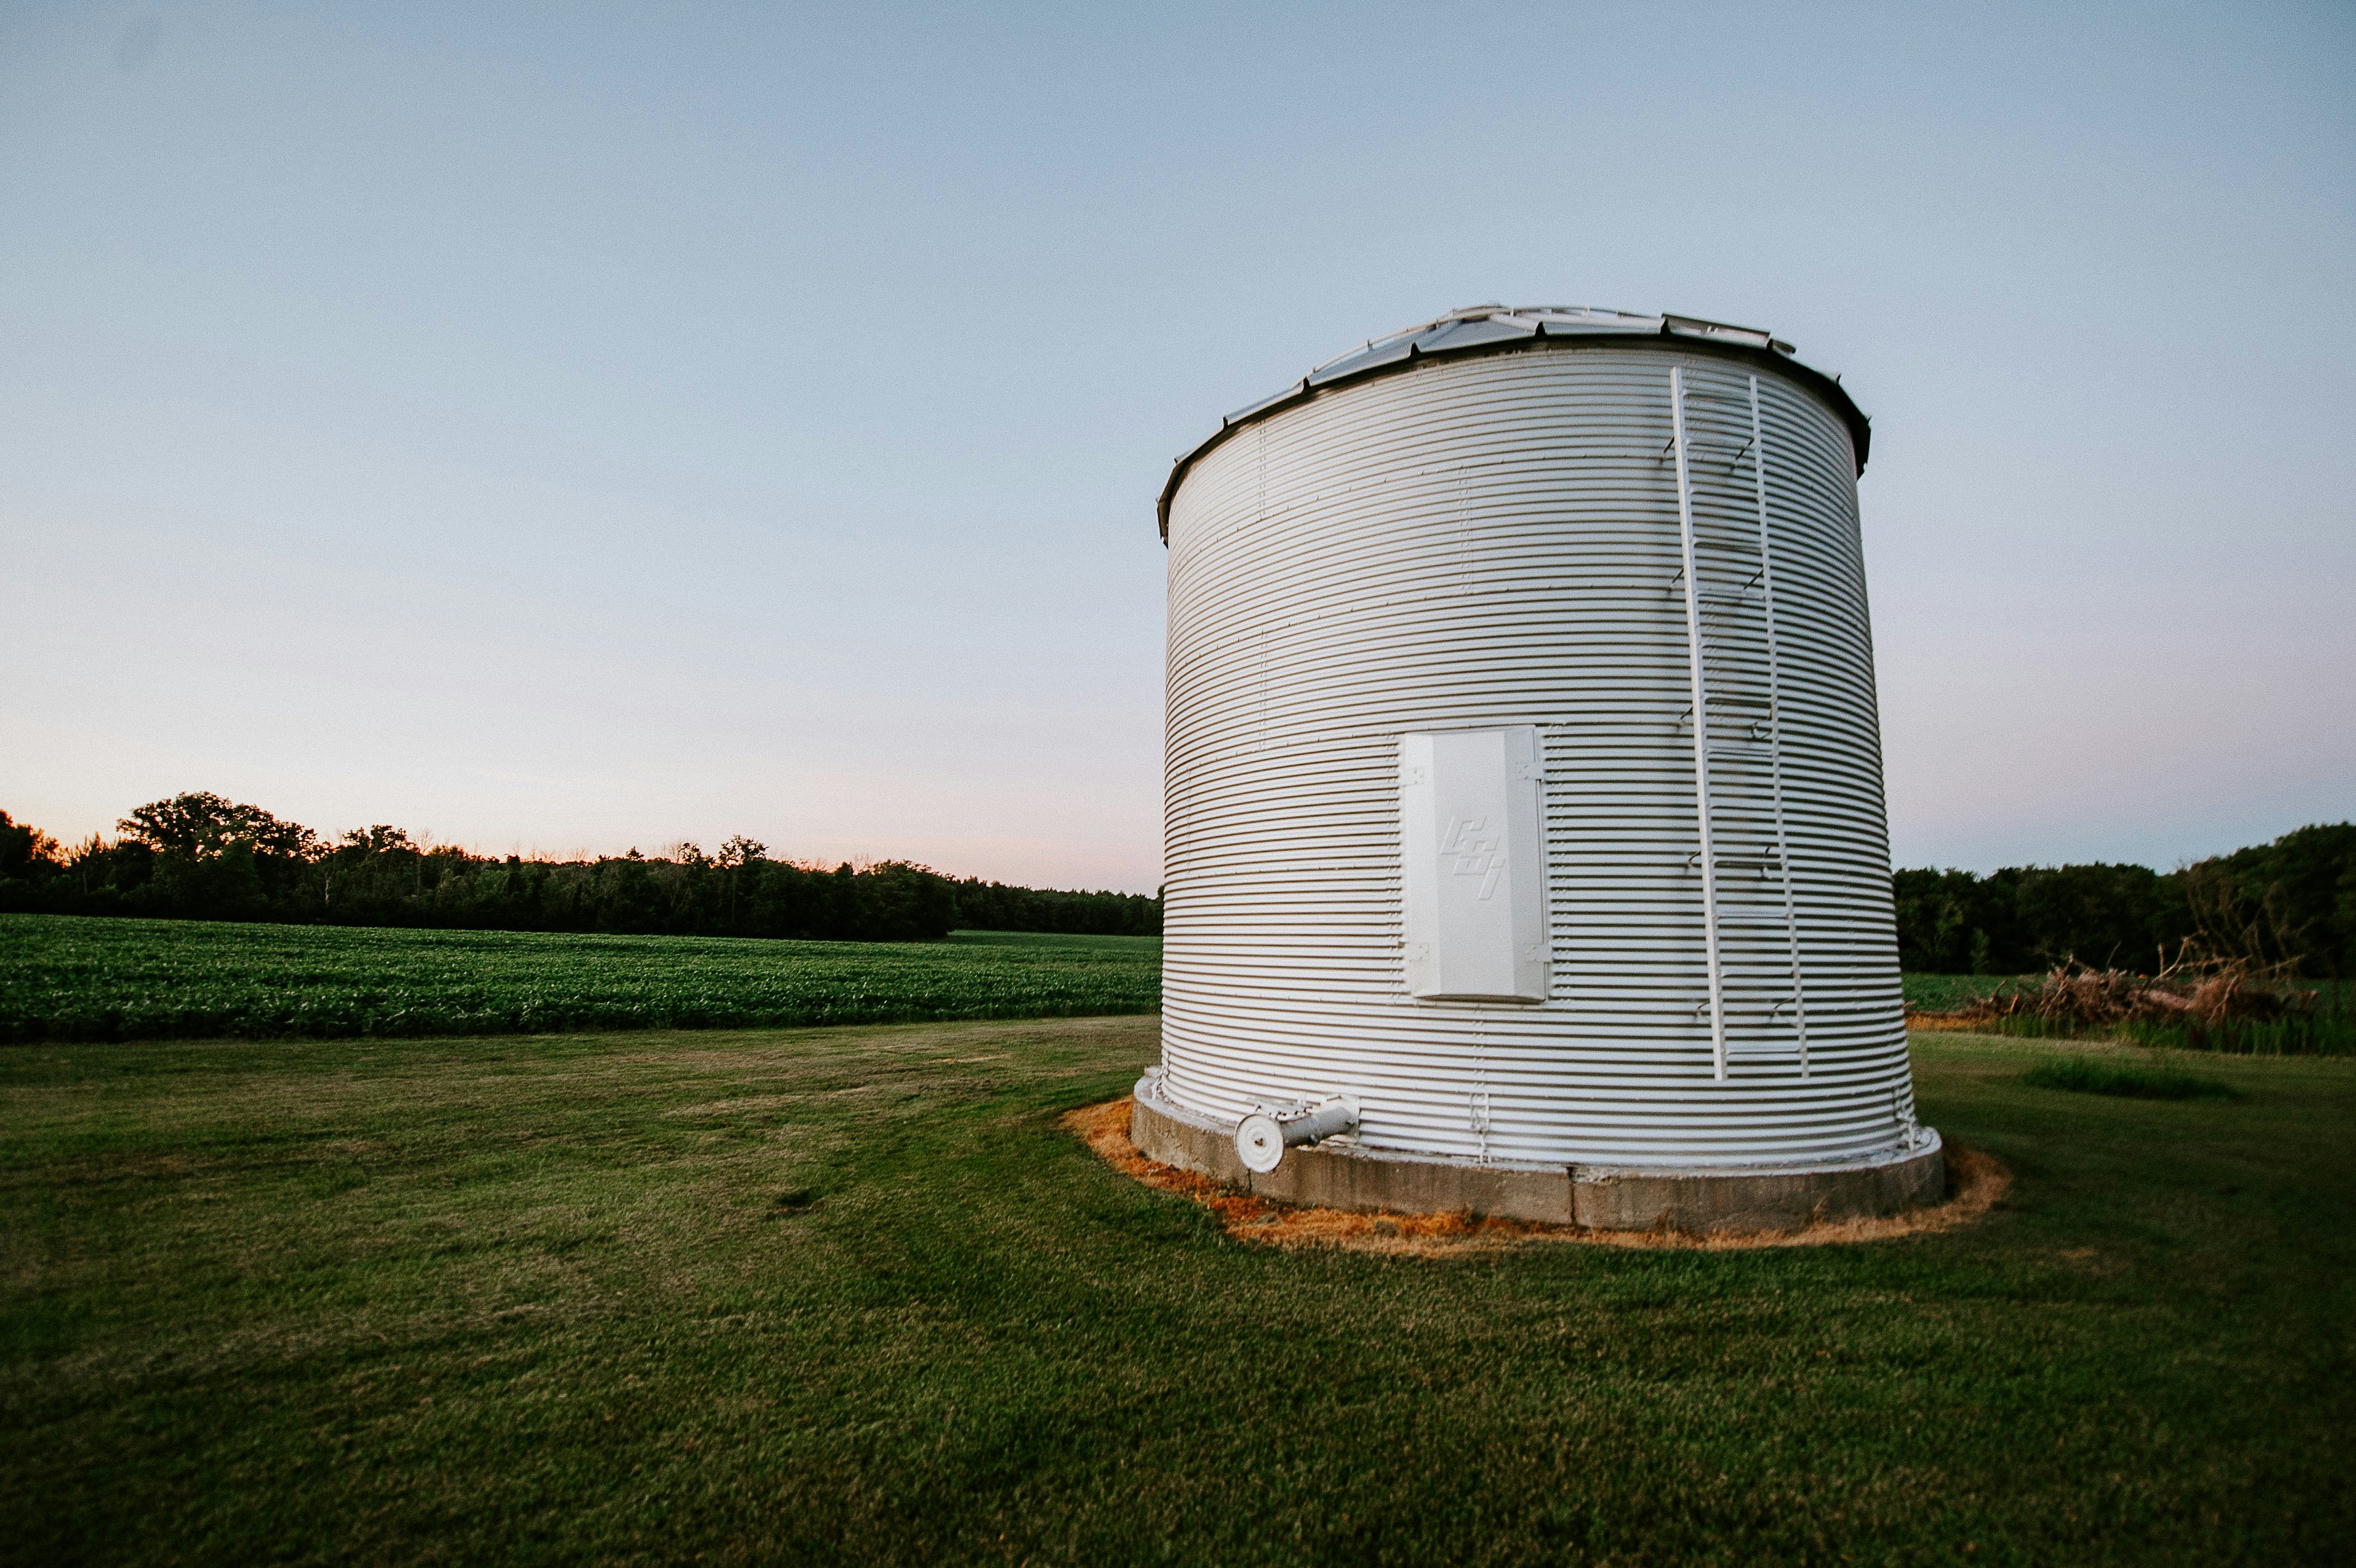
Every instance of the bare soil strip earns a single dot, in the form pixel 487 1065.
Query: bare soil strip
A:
pixel 1975 1182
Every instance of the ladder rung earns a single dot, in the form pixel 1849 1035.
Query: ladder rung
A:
pixel 1756 703
pixel 1762 857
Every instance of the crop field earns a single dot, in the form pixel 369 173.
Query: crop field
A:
pixel 65 978
pixel 751 1296
pixel 1941 992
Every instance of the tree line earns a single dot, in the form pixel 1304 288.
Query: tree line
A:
pixel 199 856
pixel 2291 902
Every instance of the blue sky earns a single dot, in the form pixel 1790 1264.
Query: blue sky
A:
pixel 566 427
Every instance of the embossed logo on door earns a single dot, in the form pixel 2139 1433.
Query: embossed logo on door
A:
pixel 1477 851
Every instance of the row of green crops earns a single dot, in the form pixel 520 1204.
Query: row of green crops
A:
pixel 66 978
pixel 69 978
pixel 1944 993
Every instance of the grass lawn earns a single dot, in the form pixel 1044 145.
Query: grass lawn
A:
pixel 812 1295
pixel 69 978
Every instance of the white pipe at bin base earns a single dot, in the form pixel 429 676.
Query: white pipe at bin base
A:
pixel 1261 1138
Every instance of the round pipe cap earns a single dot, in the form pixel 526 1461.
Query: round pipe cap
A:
pixel 1259 1143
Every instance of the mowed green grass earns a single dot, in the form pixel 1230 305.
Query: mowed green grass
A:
pixel 851 1295
pixel 68 978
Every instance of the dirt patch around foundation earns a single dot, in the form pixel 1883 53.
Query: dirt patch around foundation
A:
pixel 1975 1182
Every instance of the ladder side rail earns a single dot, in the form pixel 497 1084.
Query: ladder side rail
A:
pixel 1775 724
pixel 1701 725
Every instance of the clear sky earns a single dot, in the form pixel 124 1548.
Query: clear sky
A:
pixel 562 427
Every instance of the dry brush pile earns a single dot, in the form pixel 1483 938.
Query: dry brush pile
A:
pixel 2199 1001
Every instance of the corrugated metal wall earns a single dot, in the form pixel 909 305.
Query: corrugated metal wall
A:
pixel 1495 541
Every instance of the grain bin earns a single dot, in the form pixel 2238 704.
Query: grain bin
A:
pixel 1525 848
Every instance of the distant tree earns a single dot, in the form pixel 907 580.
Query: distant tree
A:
pixel 2292 901
pixel 2107 916
pixel 87 863
pixel 198 855
pixel 26 853
pixel 201 825
pixel 994 906
pixel 904 902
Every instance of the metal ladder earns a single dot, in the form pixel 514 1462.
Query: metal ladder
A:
pixel 1724 556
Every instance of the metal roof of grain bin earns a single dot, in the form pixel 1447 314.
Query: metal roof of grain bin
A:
pixel 1497 330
